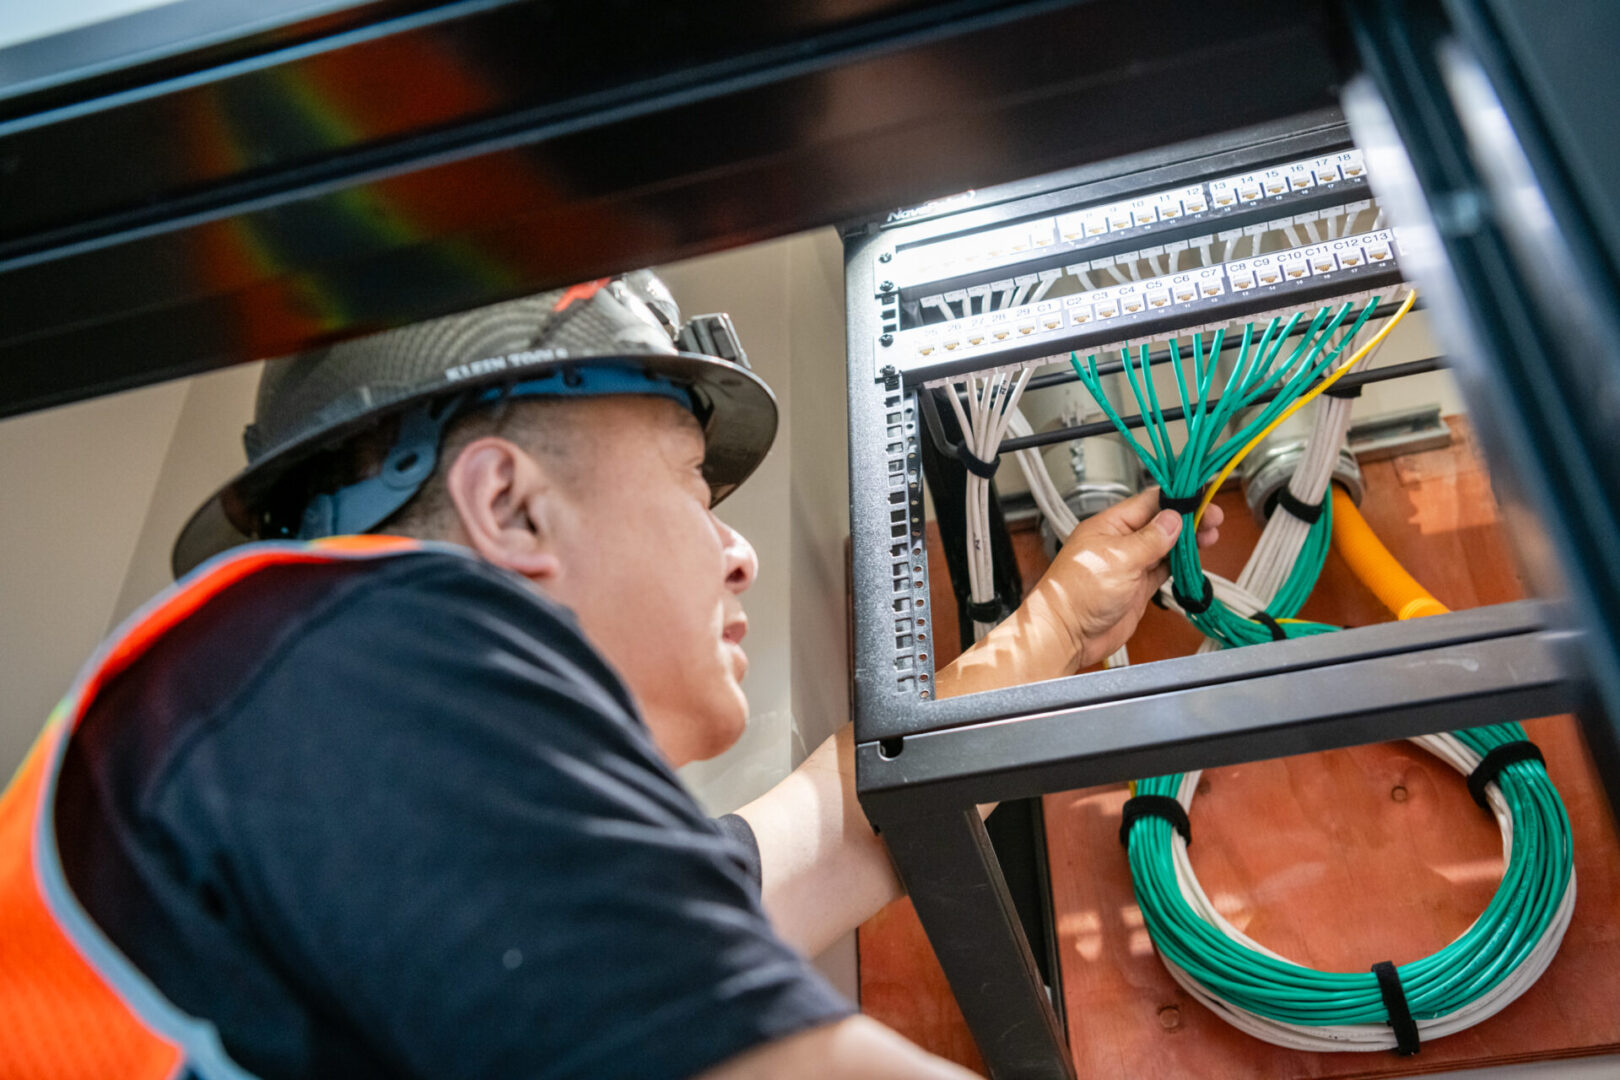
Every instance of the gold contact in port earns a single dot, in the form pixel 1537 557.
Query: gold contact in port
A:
pixel 1107 313
pixel 1377 255
pixel 1350 260
pixel 1099 228
pixel 1250 193
pixel 1275 189
pixel 975 341
pixel 925 350
pixel 1324 267
pixel 1169 212
pixel 1081 316
pixel 1195 208
pixel 1072 235
pixel 1133 308
pixel 1027 328
pixel 1246 283
pixel 1042 241
pixel 1327 177
pixel 1223 200
pixel 1352 170
pixel 1296 271
pixel 1211 290
pixel 951 345
pixel 1052 324
pixel 1269 279
pixel 1159 303
pixel 1185 296
pixel 1001 335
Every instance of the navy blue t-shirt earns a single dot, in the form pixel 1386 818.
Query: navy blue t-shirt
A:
pixel 398 818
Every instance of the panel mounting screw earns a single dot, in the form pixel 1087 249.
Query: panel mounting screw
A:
pixel 886 286
pixel 886 256
pixel 886 340
pixel 889 370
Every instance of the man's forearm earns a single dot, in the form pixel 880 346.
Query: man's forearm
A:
pixel 1030 645
pixel 855 1048
pixel 824 870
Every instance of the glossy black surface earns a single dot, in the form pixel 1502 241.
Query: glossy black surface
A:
pixel 465 153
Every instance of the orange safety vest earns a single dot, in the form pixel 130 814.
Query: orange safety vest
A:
pixel 72 1007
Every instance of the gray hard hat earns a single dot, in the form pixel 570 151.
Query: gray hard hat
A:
pixel 617 335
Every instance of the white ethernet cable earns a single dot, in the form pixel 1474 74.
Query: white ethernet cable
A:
pixel 990 395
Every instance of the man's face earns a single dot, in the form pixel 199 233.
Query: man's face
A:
pixel 655 578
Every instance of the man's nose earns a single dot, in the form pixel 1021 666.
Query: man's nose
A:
pixel 742 562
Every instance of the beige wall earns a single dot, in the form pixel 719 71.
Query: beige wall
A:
pixel 76 483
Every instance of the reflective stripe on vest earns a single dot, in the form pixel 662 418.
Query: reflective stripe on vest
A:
pixel 72 1007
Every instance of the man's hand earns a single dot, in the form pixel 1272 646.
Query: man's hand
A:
pixel 1086 604
pixel 1110 567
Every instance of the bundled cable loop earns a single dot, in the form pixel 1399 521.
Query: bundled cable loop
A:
pixel 1256 990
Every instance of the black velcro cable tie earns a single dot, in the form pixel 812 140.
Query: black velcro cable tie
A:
pixel 1264 619
pixel 975 464
pixel 1187 504
pixel 1491 765
pixel 985 611
pixel 1400 1014
pixel 1159 806
pixel 1306 512
pixel 1191 606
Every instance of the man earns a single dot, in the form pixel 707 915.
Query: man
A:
pixel 371 807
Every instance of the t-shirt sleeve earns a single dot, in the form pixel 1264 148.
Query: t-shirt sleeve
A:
pixel 444 821
pixel 747 844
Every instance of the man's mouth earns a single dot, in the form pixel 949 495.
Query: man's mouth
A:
pixel 735 630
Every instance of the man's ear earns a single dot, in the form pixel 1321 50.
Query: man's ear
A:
pixel 504 500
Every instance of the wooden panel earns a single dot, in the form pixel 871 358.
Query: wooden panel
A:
pixel 1367 854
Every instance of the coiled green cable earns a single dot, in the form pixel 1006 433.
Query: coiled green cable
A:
pixel 1272 997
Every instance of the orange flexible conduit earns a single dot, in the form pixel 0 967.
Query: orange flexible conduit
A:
pixel 1372 563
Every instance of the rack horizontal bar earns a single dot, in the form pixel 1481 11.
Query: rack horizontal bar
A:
pixel 1389 681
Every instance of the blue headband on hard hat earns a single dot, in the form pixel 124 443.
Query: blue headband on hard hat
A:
pixel 367 503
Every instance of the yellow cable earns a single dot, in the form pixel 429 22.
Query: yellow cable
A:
pixel 1338 372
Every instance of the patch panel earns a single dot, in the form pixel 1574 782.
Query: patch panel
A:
pixel 1136 309
pixel 937 262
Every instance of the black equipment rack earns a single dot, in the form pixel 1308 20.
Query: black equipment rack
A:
pixel 924 765
pixel 206 183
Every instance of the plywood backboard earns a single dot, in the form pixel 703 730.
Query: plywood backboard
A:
pixel 1337 859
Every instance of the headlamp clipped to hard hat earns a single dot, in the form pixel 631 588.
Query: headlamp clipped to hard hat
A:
pixel 615 336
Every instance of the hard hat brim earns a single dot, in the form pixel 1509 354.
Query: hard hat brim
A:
pixel 739 414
